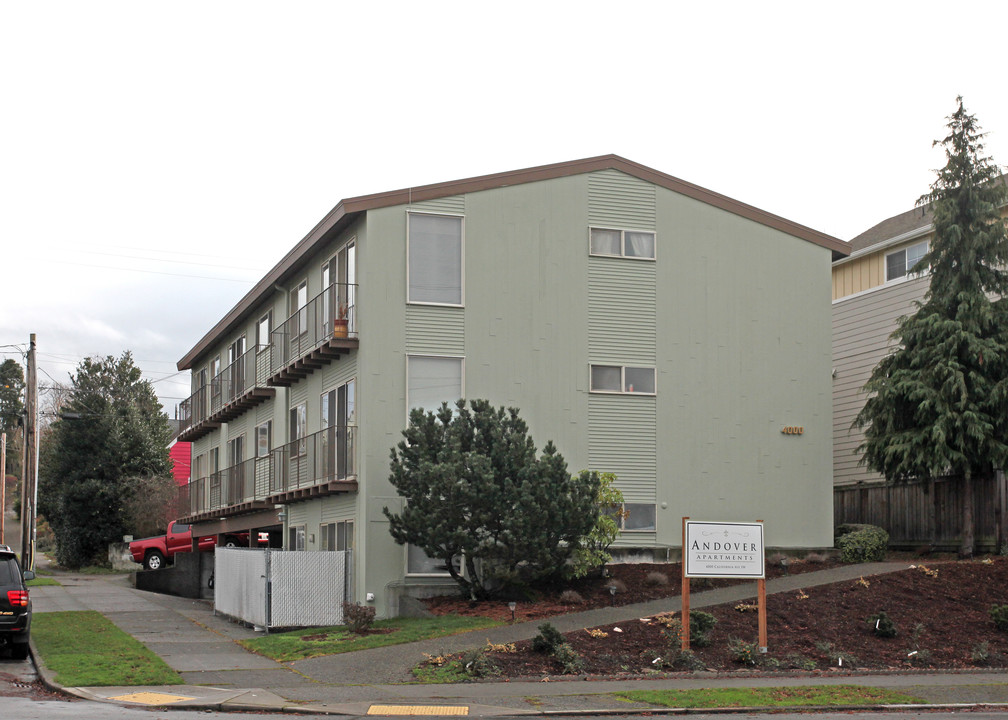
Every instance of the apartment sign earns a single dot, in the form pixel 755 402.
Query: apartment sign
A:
pixel 723 550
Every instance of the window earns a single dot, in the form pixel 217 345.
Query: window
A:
pixel 299 304
pixel 337 536
pixel 622 243
pixel 263 329
pixel 901 263
pixel 434 262
pixel 432 380
pixel 337 418
pixel 264 436
pixel 236 450
pixel 634 517
pixel 215 367
pixel 296 537
pixel 420 563
pixel 298 429
pixel 623 379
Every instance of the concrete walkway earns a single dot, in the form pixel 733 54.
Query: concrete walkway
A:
pixel 220 674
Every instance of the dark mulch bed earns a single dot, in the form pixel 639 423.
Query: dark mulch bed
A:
pixel 942 620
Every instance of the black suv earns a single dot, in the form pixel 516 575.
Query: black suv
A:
pixel 15 605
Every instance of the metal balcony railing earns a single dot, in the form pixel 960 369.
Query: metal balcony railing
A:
pixel 239 386
pixel 325 320
pixel 318 459
pixel 247 482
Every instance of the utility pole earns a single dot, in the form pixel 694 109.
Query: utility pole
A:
pixel 3 484
pixel 29 468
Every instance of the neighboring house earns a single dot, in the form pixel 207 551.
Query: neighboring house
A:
pixel 872 289
pixel 649 327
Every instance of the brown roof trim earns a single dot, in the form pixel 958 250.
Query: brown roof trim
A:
pixel 348 209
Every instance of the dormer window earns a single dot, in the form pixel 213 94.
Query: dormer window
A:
pixel 899 264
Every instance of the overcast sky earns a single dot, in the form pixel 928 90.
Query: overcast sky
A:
pixel 158 158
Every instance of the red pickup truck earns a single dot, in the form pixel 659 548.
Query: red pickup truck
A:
pixel 154 552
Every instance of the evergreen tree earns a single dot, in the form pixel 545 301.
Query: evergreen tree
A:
pixel 474 489
pixel 12 385
pixel 111 428
pixel 938 405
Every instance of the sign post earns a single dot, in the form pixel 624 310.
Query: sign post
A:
pixel 723 550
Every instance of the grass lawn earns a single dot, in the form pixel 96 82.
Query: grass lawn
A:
pixel 41 581
pixel 770 697
pixel 313 642
pixel 85 649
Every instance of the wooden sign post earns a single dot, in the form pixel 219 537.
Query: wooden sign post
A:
pixel 723 550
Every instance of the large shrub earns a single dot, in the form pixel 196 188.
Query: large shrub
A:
pixel 867 544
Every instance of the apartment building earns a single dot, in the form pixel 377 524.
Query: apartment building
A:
pixel 647 326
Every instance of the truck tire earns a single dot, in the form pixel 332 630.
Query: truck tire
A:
pixel 231 542
pixel 154 560
pixel 19 651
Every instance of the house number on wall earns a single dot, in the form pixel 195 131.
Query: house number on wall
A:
pixel 793 430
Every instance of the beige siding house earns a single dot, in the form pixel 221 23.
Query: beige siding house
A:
pixel 647 326
pixel 872 289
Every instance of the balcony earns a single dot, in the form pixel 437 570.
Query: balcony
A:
pixel 320 332
pixel 239 386
pixel 324 463
pixel 236 490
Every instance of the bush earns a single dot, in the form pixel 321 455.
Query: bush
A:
pixel 570 662
pixel 700 626
pixel 882 625
pixel 865 545
pixel 571 597
pixel 742 652
pixel 548 639
pixel 999 614
pixel 796 661
pixel 618 584
pixel 358 618
pixel 478 663
pixel 656 579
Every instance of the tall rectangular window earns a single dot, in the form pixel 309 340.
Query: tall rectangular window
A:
pixel 432 380
pixel 263 329
pixel 298 429
pixel 263 435
pixel 435 259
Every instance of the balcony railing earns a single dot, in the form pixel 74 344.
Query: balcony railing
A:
pixel 323 329
pixel 318 464
pixel 239 386
pixel 240 487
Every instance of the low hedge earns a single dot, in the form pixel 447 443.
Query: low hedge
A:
pixel 866 544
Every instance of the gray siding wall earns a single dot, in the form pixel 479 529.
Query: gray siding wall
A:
pixel 862 325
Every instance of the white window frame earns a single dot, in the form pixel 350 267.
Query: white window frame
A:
pixel 268 426
pixel 462 260
pixel 907 272
pixel 262 342
pixel 622 253
pixel 298 415
pixel 462 377
pixel 623 369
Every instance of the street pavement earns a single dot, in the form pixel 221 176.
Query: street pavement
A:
pixel 219 674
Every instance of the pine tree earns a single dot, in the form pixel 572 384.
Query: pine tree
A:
pixel 938 405
pixel 475 490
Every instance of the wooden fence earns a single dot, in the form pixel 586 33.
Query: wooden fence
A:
pixel 927 513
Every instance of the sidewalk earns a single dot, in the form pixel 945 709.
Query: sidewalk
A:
pixel 220 674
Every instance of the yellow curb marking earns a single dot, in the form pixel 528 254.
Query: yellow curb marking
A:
pixel 151 698
pixel 418 710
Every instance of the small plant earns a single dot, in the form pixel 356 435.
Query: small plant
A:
pixel 618 584
pixel 928 571
pixel 596 633
pixel 656 579
pixel 700 626
pixel 999 614
pixel 794 661
pixel 571 597
pixel 478 663
pixel 916 655
pixel 816 558
pixel 861 582
pixel 685 660
pixel 548 639
pixel 747 607
pixel 802 595
pixel 742 652
pixel 501 647
pixel 570 662
pixel 867 544
pixel 980 654
pixel 778 558
pixel 837 657
pixel 358 618
pixel 882 625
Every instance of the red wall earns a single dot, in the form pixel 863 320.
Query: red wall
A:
pixel 181 457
